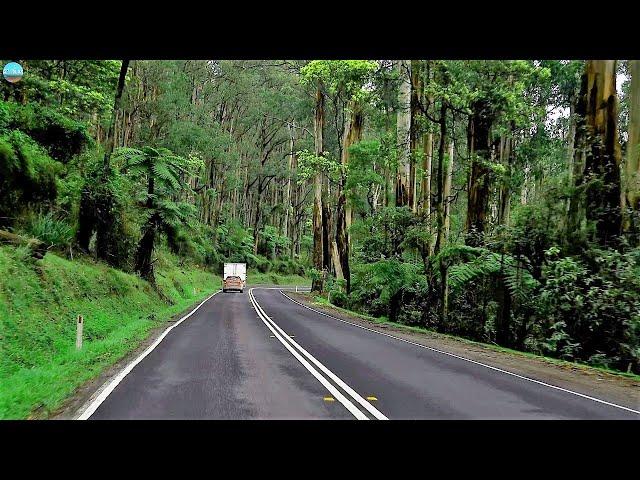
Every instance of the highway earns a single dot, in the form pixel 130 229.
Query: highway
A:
pixel 262 355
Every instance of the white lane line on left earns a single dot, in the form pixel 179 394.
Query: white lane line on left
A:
pixel 110 386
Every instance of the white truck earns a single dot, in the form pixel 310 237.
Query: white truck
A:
pixel 234 277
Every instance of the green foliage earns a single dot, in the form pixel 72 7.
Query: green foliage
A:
pixel 341 77
pixel 27 175
pixel 161 164
pixel 75 88
pixel 235 242
pixel 385 233
pixel 362 176
pixel 309 164
pixel 481 262
pixel 260 263
pixel 61 136
pixel 376 287
pixel 52 229
pixel 591 310
pixel 274 243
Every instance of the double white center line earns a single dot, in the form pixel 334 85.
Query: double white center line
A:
pixel 329 380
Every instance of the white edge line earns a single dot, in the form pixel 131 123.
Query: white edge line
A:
pixel 110 385
pixel 334 391
pixel 358 398
pixel 467 359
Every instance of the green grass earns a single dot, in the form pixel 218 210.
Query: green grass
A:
pixel 322 301
pixel 257 278
pixel 39 302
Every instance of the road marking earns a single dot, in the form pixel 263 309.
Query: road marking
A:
pixel 522 377
pixel 109 386
pixel 290 344
pixel 336 393
pixel 370 408
pixel 329 399
pixel 372 399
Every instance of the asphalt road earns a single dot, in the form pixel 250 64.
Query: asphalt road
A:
pixel 279 360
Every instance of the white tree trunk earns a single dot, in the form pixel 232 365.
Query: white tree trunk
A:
pixel 403 130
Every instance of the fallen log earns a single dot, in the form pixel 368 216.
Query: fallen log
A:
pixel 37 247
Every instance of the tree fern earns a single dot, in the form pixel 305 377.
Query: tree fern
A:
pixel 478 262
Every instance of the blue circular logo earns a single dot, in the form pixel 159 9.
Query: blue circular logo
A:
pixel 13 72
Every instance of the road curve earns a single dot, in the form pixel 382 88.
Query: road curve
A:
pixel 258 355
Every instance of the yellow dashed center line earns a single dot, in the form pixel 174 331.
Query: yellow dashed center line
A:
pixel 372 399
pixel 329 399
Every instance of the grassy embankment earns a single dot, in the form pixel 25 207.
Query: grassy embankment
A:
pixel 39 303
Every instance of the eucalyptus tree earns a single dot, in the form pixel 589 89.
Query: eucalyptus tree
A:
pixel 343 81
pixel 632 164
pixel 597 154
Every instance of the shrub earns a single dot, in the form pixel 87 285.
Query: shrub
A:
pixel 27 175
pixel 271 242
pixel 377 288
pixel 61 136
pixel 51 229
pixel 590 310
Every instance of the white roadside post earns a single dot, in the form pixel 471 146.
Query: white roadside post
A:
pixel 79 325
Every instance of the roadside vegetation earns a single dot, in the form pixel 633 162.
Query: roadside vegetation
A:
pixel 321 301
pixel 39 303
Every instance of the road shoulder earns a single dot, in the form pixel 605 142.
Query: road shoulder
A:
pixel 606 386
pixel 84 395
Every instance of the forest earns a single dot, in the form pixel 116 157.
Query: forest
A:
pixel 489 199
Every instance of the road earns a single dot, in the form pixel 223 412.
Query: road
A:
pixel 259 355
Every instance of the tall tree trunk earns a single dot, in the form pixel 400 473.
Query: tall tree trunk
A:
pixel 440 205
pixel 603 156
pixel 426 178
pixel 327 228
pixel 503 314
pixel 144 253
pixel 286 202
pixel 447 191
pixel 352 134
pixel 403 131
pixel 318 253
pixel 106 161
pixel 479 183
pixel 632 166
pixel 444 271
pixel 576 211
pixel 440 178
pixel 417 93
pixel 427 162
pixel 507 156
pixel 570 139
